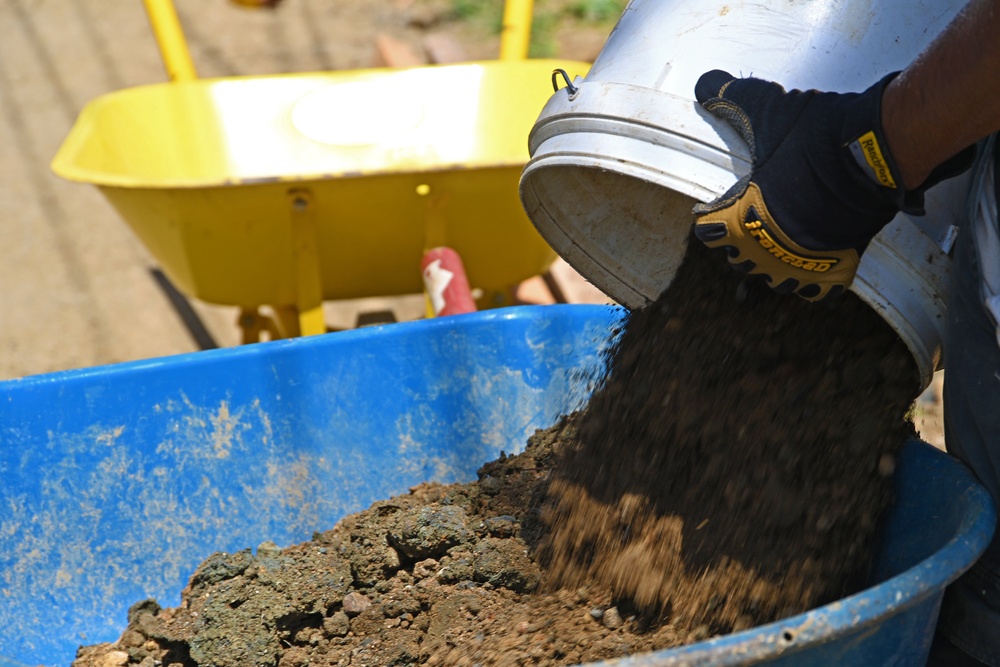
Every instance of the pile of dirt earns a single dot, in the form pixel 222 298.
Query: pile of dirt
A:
pixel 729 471
pixel 443 575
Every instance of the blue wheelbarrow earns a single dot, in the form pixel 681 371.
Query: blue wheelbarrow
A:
pixel 119 480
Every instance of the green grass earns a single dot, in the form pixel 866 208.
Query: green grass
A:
pixel 476 10
pixel 548 14
pixel 596 11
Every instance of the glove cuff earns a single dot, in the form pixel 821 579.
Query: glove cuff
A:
pixel 865 143
pixel 863 139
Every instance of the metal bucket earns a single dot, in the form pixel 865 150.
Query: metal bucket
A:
pixel 620 156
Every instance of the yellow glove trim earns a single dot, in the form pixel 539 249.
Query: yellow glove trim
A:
pixel 757 237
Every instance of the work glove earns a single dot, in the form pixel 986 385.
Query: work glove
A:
pixel 822 182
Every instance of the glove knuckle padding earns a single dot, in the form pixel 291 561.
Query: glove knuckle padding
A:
pixel 730 197
pixel 736 118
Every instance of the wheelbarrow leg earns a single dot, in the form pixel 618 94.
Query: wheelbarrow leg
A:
pixel 308 309
pixel 285 323
pixel 253 323
pixel 292 323
pixel 305 316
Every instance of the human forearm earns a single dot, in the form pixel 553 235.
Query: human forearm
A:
pixel 949 97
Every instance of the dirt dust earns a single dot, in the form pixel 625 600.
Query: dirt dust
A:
pixel 730 470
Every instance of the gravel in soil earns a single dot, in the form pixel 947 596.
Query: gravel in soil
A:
pixel 730 470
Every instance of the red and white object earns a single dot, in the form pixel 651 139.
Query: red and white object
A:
pixel 445 282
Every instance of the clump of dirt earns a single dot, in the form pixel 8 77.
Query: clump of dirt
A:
pixel 730 470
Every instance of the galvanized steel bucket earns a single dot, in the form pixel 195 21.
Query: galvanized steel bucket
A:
pixel 620 156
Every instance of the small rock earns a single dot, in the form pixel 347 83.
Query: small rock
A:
pixel 220 567
pixel 501 526
pixel 455 568
pixel 149 606
pixel 490 485
pixel 430 532
pixel 425 568
pixel 597 614
pixel 337 625
pixel 268 549
pixel 112 659
pixel 355 603
pixel 294 657
pixel 611 618
pixel 403 605
pixel 524 628
pixel 131 639
pixel 503 563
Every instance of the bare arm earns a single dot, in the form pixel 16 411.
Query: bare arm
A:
pixel 949 97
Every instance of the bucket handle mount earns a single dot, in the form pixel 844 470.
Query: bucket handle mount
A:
pixel 556 73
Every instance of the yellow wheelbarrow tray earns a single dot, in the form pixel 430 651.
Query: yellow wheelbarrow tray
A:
pixel 291 189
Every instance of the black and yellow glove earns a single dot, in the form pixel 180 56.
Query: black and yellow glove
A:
pixel 822 183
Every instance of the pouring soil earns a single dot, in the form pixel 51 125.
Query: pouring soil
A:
pixel 733 467
pixel 730 470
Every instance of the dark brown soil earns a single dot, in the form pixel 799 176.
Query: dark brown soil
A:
pixel 731 470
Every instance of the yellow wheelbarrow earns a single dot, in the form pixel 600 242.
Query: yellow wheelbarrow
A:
pixel 285 191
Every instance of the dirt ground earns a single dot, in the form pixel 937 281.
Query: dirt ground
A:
pixel 78 288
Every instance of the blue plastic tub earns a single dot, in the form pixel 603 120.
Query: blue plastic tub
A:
pixel 119 480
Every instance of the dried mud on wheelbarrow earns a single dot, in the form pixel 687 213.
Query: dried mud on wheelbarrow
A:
pixel 729 471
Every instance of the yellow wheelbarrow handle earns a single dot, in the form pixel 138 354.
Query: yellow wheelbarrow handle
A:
pixel 516 35
pixel 170 38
